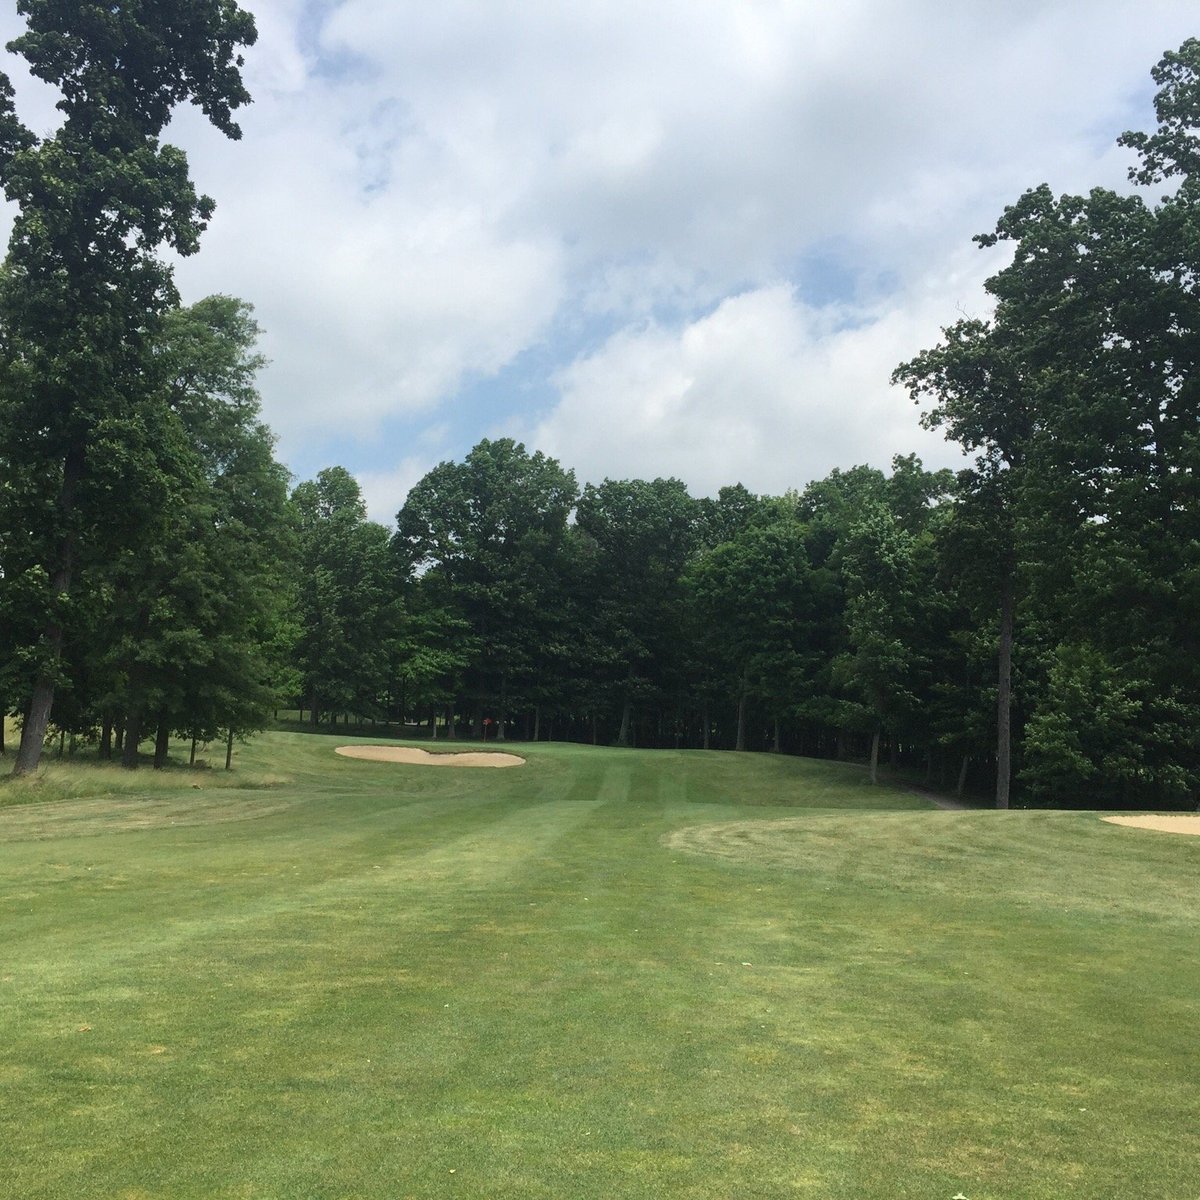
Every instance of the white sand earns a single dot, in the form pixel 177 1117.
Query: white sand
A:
pixel 1172 823
pixel 422 758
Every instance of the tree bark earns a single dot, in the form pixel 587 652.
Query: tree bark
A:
pixel 133 735
pixel 106 736
pixel 775 743
pixel 537 722
pixel 162 743
pixel 962 776
pixel 740 743
pixel 229 751
pixel 451 732
pixel 192 756
pixel 33 732
pixel 706 740
pixel 875 757
pixel 503 713
pixel 623 735
pixel 1004 691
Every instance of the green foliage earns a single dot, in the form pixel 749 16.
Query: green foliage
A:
pixel 347 597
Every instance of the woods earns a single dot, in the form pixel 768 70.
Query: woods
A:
pixel 1026 628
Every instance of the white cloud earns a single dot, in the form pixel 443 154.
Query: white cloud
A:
pixel 425 192
pixel 765 390
pixel 384 492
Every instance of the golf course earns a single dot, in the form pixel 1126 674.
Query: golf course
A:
pixel 599 973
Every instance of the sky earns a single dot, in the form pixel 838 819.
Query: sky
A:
pixel 684 238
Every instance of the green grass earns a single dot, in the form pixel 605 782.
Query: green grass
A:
pixel 603 974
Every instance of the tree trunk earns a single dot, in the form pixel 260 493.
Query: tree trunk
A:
pixel 33 732
pixel 3 716
pixel 451 732
pixel 106 736
pixel 537 722
pixel 1004 691
pixel 962 776
pixel 432 723
pixel 133 735
pixel 192 756
pixel 595 735
pixel 841 745
pixel 775 743
pixel 894 751
pixel 62 741
pixel 875 757
pixel 502 715
pixel 740 743
pixel 477 726
pixel 162 743
pixel 706 739
pixel 623 734
pixel 229 751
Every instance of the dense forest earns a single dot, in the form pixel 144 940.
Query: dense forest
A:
pixel 1031 622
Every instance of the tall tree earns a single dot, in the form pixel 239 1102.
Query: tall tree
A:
pixel 349 597
pixel 83 288
pixel 1080 396
pixel 195 643
pixel 638 536
pixel 489 531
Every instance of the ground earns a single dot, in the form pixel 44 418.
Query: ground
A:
pixel 606 974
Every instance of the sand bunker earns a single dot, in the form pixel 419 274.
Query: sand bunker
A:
pixel 422 758
pixel 1172 823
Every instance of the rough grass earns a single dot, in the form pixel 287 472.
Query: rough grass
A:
pixel 607 974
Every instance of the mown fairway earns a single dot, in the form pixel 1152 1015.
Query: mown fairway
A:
pixel 596 975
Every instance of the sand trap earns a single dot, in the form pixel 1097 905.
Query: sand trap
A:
pixel 1172 823
pixel 422 758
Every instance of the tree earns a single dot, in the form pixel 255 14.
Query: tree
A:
pixel 205 591
pixel 348 600
pixel 637 538
pixel 489 533
pixel 83 291
pixel 1079 395
pixel 882 605
pixel 755 601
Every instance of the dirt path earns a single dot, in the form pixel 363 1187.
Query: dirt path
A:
pixel 937 798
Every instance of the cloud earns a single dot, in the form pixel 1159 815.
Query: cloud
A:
pixel 385 491
pixel 430 197
pixel 765 390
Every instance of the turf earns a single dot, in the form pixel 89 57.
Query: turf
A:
pixel 603 974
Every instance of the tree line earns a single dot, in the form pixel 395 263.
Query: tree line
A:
pixel 1027 623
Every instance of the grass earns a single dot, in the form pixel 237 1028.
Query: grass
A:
pixel 603 974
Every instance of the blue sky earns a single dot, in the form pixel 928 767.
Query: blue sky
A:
pixel 690 238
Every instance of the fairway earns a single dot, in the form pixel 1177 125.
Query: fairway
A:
pixel 608 973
